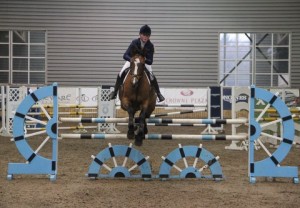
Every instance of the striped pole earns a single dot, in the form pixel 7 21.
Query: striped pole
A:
pixel 178 112
pixel 62 113
pixel 166 124
pixel 64 128
pixel 67 106
pixel 181 105
pixel 156 136
pixel 177 105
pixel 156 120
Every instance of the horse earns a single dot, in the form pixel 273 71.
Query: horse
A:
pixel 137 94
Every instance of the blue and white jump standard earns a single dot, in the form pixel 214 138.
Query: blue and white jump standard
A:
pixel 270 166
pixel 35 163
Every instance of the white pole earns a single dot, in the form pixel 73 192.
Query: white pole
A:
pixel 99 104
pixel 7 113
pixel 80 109
pixel 2 109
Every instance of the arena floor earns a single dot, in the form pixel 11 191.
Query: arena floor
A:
pixel 73 189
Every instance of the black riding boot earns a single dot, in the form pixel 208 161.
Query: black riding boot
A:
pixel 119 82
pixel 114 93
pixel 156 87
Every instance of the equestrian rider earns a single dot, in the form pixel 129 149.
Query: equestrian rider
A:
pixel 142 43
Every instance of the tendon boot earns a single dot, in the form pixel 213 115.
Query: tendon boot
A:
pixel 154 83
pixel 114 93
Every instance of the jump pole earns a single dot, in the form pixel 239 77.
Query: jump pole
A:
pixel 156 120
pixel 178 112
pixel 207 137
pixel 181 105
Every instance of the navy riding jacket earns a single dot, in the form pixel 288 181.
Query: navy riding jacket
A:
pixel 136 46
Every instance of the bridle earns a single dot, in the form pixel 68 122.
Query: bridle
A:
pixel 135 73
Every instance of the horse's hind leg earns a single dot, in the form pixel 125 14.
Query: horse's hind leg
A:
pixel 130 132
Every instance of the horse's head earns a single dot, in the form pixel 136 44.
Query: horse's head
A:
pixel 137 68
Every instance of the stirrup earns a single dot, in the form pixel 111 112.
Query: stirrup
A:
pixel 112 95
pixel 160 97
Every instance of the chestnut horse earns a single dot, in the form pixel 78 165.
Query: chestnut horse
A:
pixel 136 94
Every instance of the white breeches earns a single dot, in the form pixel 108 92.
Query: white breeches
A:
pixel 127 65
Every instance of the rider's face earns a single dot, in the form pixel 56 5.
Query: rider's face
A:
pixel 144 38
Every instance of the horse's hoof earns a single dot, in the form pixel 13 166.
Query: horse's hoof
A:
pixel 138 142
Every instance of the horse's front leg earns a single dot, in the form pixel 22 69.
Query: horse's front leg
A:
pixel 140 136
pixel 145 124
pixel 130 132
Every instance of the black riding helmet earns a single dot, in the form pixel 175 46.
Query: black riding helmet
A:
pixel 145 30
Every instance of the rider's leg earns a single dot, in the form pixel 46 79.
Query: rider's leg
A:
pixel 153 82
pixel 120 78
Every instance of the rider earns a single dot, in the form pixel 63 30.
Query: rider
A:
pixel 143 42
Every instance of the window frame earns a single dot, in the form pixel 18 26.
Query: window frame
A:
pixel 28 57
pixel 285 77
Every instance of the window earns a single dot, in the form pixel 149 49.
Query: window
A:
pixel 262 59
pixel 22 57
pixel 4 57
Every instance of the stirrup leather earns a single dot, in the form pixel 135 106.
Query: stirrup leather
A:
pixel 112 95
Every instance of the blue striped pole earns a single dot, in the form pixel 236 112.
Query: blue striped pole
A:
pixel 156 136
pixel 156 120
